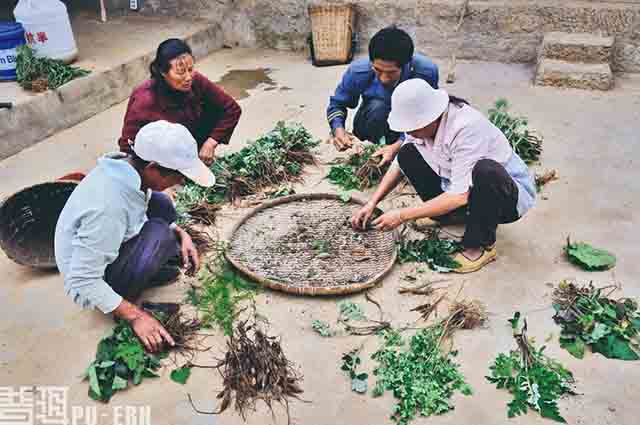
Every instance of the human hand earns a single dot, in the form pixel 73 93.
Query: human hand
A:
pixel 150 332
pixel 360 218
pixel 341 139
pixel 387 154
pixel 189 251
pixel 208 151
pixel 388 221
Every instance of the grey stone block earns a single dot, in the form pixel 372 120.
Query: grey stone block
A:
pixel 574 75
pixel 577 47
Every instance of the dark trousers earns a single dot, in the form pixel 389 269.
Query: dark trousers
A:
pixel 492 199
pixel 370 122
pixel 142 257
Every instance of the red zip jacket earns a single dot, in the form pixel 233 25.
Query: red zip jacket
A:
pixel 207 111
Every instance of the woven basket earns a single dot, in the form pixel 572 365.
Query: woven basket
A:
pixel 332 33
pixel 28 222
pixel 303 244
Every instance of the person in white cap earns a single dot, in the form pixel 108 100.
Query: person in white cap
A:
pixel 117 236
pixel 458 162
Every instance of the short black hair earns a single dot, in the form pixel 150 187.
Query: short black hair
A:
pixel 391 44
pixel 141 164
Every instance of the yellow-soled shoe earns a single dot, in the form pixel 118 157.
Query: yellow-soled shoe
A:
pixel 489 254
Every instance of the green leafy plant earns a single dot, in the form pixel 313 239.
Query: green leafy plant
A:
pixel 181 375
pixel 436 252
pixel 120 358
pixel 535 380
pixel 350 363
pixel 588 257
pixel 590 318
pixel 359 171
pixel 274 158
pixel 41 73
pixel 422 378
pixel 526 143
pixel 349 311
pixel 220 294
pixel 322 328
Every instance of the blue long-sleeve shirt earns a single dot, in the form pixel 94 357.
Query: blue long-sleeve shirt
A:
pixel 361 81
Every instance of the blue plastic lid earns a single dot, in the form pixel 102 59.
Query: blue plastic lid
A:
pixel 11 29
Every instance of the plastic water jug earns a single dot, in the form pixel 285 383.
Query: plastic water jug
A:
pixel 47 28
pixel 11 36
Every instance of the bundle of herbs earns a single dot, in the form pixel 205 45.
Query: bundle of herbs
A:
pixel 433 250
pixel 121 357
pixel 423 377
pixel 277 157
pixel 40 73
pixel 220 293
pixel 256 368
pixel 526 143
pixel 588 317
pixel 360 171
pixel 535 380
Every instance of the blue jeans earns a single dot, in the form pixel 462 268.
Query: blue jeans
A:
pixel 142 257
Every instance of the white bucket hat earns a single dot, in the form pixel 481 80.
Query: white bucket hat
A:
pixel 172 146
pixel 415 104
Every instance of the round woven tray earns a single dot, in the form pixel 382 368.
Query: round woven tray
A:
pixel 304 244
pixel 28 222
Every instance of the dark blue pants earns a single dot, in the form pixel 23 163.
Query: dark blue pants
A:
pixel 142 257
pixel 370 122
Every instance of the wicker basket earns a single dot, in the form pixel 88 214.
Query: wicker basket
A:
pixel 28 221
pixel 301 244
pixel 332 34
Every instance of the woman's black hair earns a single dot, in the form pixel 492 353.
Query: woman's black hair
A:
pixel 458 101
pixel 141 164
pixel 391 44
pixel 167 51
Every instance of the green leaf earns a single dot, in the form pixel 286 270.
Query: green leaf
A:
pixel 118 383
pixel 466 390
pixel 106 364
pixel 323 328
pixel 345 195
pixel 359 385
pixel 599 330
pixel 615 348
pixel 181 375
pixel 515 320
pixel 575 347
pixel 93 381
pixel 588 257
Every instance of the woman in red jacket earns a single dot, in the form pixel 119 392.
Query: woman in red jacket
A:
pixel 177 93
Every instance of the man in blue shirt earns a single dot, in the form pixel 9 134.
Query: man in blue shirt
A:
pixel 391 61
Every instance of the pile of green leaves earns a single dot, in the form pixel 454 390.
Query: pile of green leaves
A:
pixel 589 258
pixel 589 318
pixel 350 363
pixel 274 158
pixel 436 252
pixel 526 143
pixel 120 358
pixel 422 378
pixel 535 380
pixel 322 328
pixel 220 293
pixel 358 172
pixel 31 68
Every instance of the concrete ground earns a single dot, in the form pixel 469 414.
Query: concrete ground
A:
pixel 590 138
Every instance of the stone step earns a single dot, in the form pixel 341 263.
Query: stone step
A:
pixel 576 47
pixel 575 75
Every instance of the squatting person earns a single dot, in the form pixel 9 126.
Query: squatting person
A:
pixel 391 61
pixel 179 94
pixel 457 161
pixel 117 236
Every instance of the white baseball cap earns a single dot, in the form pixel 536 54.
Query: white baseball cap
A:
pixel 415 104
pixel 172 146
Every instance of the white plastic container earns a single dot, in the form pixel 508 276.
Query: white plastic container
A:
pixel 47 28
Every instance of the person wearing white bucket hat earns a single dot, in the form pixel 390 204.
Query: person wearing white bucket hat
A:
pixel 461 166
pixel 117 236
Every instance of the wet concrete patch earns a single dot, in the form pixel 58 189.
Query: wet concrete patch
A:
pixel 238 82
